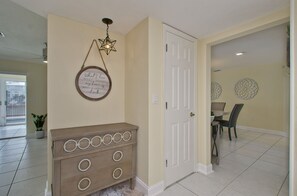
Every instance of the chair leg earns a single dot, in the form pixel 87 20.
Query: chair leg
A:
pixel 221 129
pixel 235 131
pixel 229 132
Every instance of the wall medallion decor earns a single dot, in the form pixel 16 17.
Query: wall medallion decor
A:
pixel 246 88
pixel 92 82
pixel 216 90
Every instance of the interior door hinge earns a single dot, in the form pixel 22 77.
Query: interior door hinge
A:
pixel 166 48
pixel 166 163
pixel 166 105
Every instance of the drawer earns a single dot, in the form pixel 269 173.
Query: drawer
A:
pixel 94 162
pixel 77 146
pixel 91 182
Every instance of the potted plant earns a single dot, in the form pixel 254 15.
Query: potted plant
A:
pixel 39 122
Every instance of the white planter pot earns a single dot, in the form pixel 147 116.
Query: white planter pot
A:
pixel 39 134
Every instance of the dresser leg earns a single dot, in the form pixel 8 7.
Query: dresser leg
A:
pixel 132 183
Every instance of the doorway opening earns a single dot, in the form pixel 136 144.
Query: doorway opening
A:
pixel 13 103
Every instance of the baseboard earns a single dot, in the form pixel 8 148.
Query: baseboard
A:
pixel 260 130
pixel 204 169
pixel 149 190
pixel 47 191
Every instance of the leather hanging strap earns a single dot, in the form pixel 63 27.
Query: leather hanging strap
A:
pixel 94 41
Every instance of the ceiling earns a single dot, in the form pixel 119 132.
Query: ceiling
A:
pixel 267 47
pixel 26 31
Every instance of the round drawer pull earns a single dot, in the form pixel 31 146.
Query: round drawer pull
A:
pixel 88 180
pixel 117 137
pixel 118 175
pixel 82 162
pixel 127 136
pixel 107 139
pixel 68 147
pixel 115 158
pixel 95 143
pixel 82 141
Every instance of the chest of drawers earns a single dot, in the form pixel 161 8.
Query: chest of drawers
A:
pixel 88 159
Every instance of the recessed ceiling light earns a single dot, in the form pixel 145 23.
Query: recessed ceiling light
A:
pixel 239 53
pixel 2 35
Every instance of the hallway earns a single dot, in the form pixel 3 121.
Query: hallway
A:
pixel 255 164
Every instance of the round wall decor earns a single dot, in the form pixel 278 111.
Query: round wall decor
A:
pixel 216 90
pixel 246 88
pixel 93 83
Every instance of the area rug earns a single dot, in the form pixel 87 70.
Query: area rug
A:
pixel 122 189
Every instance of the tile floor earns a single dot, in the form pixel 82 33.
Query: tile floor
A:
pixel 12 131
pixel 255 164
pixel 23 167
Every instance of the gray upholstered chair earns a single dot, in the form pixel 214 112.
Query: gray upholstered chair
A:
pixel 231 123
pixel 218 106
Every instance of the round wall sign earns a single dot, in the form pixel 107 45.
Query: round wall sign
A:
pixel 93 83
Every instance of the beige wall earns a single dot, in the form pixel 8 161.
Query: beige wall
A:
pixel 144 80
pixel 136 92
pixel 267 108
pixel 156 110
pixel 36 86
pixel 68 43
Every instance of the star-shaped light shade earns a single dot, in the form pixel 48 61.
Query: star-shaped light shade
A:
pixel 107 45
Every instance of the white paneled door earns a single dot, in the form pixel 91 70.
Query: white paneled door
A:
pixel 179 103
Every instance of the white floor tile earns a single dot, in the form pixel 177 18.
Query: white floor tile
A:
pixel 32 172
pixel 249 153
pixel 6 178
pixel 177 190
pixel 26 163
pixel 230 192
pixel 285 188
pixel 259 181
pixel 12 152
pixel 276 160
pixel 202 185
pixel 4 190
pixel 29 187
pixel 222 176
pixel 7 167
pixel 10 158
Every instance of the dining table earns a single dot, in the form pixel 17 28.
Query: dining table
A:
pixel 215 126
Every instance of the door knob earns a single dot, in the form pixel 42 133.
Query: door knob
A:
pixel 192 114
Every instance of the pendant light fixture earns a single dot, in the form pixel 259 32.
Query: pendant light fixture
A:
pixel 107 44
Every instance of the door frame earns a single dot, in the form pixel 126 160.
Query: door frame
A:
pixel 167 28
pixel 26 80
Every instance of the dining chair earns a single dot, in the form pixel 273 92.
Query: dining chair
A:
pixel 220 106
pixel 231 123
